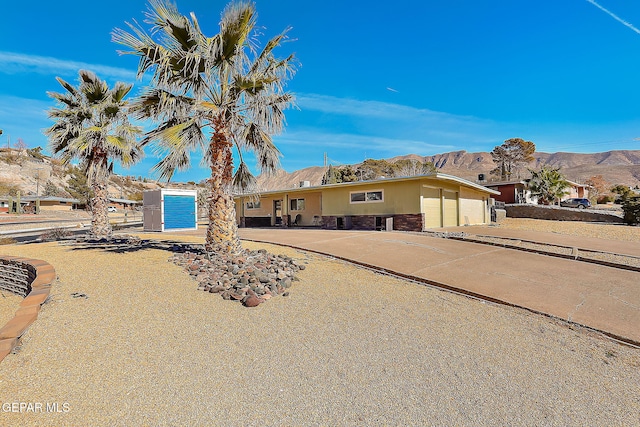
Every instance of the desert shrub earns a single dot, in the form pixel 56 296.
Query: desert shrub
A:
pixel 35 153
pixel 8 189
pixel 7 241
pixel 606 198
pixel 55 234
pixel 137 196
pixel 631 209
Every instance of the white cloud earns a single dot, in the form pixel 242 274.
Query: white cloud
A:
pixel 13 62
pixel 378 109
pixel 390 128
pixel 345 141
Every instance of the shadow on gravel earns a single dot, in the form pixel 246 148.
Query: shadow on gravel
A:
pixel 132 244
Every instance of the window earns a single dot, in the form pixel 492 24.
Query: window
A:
pixel 253 205
pixel 367 196
pixel 297 204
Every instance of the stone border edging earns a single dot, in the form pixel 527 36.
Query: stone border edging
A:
pixel 28 309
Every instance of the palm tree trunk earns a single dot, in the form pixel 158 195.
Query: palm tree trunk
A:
pixel 222 232
pixel 100 226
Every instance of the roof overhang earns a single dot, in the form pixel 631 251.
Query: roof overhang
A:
pixel 318 188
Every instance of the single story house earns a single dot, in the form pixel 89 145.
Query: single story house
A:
pixel 576 191
pixel 414 203
pixel 31 204
pixel 512 191
pixel 54 203
pixel 518 191
pixel 124 203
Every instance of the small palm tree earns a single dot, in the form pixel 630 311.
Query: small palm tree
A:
pixel 548 185
pixel 92 126
pixel 221 83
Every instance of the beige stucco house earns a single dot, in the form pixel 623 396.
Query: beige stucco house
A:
pixel 413 203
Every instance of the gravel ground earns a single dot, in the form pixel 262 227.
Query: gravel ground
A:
pixel 347 347
pixel 575 228
pixel 9 303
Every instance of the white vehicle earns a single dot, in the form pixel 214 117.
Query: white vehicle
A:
pixel 112 209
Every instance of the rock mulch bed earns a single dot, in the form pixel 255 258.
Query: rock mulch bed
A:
pixel 251 277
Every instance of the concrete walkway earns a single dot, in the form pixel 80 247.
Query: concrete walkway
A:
pixel 603 298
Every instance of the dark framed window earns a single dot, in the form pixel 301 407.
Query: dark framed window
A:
pixel 297 204
pixel 374 196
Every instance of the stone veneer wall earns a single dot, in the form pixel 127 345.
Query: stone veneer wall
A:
pixel 363 222
pixel 558 213
pixel 408 222
pixel 401 222
pixel 24 276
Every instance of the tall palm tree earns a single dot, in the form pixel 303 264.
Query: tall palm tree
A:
pixel 92 126
pixel 221 84
pixel 548 185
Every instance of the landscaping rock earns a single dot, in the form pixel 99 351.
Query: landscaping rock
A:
pixel 251 277
pixel 252 301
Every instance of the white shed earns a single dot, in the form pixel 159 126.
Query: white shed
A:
pixel 167 209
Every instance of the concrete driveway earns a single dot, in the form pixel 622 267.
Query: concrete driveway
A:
pixel 600 297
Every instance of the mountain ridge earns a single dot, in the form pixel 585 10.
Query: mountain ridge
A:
pixel 615 166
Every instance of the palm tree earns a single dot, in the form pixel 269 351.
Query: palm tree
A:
pixel 92 126
pixel 220 83
pixel 548 185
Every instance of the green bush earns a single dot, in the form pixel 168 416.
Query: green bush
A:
pixel 606 198
pixel 631 209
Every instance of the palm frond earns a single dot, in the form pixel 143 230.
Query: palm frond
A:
pixel 244 181
pixel 238 20
pixel 72 90
pixel 120 91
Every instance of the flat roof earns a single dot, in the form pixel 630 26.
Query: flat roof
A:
pixel 437 176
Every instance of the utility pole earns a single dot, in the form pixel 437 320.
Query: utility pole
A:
pixel 38 181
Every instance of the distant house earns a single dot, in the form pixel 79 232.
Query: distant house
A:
pixel 576 190
pixel 124 203
pixel 518 191
pixel 407 203
pixel 512 191
pixel 49 203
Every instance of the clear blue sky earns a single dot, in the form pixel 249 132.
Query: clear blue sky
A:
pixel 377 79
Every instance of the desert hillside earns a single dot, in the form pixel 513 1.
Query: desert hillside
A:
pixel 616 167
pixel 31 172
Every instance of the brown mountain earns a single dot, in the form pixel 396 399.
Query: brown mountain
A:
pixel 616 167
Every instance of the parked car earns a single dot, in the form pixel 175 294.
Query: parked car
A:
pixel 576 203
pixel 112 209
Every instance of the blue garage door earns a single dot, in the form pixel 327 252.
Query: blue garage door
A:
pixel 179 212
